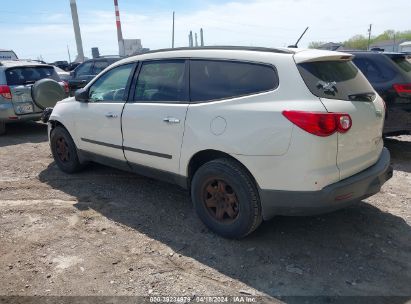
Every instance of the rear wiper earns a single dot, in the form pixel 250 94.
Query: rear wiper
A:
pixel 367 96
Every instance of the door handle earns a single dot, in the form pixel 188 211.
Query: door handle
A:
pixel 171 120
pixel 111 115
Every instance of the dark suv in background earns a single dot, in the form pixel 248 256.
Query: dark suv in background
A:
pixel 87 70
pixel 390 75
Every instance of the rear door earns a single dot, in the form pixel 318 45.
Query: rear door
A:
pixel 20 80
pixel 341 87
pixel 153 121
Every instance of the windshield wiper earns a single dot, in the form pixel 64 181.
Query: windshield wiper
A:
pixel 367 96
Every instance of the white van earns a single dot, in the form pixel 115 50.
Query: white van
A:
pixel 8 55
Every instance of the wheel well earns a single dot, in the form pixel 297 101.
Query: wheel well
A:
pixel 55 123
pixel 202 157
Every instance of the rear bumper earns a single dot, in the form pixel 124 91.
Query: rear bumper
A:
pixel 330 198
pixel 7 114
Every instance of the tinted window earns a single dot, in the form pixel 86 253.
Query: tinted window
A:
pixel 210 79
pixel 403 63
pixel 336 80
pixel 111 86
pixel 84 69
pixel 99 66
pixel 375 70
pixel 29 75
pixel 162 81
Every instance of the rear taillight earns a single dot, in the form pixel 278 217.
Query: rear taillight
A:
pixel 402 88
pixel 5 91
pixel 66 86
pixel 318 123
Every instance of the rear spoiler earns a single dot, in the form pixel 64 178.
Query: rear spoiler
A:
pixel 318 55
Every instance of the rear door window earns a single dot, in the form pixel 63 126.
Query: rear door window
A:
pixel 336 80
pixel 218 79
pixel 29 75
pixel 162 81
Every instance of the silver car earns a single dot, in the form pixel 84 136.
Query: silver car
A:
pixel 16 97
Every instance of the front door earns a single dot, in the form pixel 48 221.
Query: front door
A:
pixel 99 120
pixel 153 121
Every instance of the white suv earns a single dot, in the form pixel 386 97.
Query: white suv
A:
pixel 251 132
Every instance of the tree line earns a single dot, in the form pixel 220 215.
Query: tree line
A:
pixel 360 42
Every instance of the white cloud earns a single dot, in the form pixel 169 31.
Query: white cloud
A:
pixel 258 23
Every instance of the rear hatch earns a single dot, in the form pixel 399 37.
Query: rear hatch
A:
pixel 20 79
pixel 342 88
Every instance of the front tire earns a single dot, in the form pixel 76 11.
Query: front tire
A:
pixel 226 199
pixel 64 150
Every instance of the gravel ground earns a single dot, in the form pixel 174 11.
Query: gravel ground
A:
pixel 108 233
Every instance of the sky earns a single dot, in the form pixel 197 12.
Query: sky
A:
pixel 44 27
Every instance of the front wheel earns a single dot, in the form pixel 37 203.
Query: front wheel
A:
pixel 226 199
pixel 64 150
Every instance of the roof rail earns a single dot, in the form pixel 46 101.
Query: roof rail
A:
pixel 228 48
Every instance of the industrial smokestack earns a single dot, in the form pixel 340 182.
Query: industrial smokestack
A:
pixel 76 25
pixel 119 32
pixel 201 37
pixel 196 40
pixel 190 39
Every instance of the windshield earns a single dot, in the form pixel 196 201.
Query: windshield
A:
pixel 336 80
pixel 29 75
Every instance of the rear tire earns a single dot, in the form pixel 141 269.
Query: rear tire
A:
pixel 64 150
pixel 2 127
pixel 226 199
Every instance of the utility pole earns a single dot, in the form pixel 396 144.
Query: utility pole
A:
pixel 172 39
pixel 393 46
pixel 369 37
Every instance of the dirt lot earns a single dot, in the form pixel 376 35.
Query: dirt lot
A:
pixel 106 232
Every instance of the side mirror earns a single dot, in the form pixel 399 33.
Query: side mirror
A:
pixel 81 95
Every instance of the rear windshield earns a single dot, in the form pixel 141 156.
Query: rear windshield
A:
pixel 336 80
pixel 29 75
pixel 403 63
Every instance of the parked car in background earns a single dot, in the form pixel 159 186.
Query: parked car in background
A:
pixel 86 71
pixel 72 66
pixel 7 55
pixel 16 97
pixel 64 75
pixel 390 75
pixel 61 64
pixel 217 122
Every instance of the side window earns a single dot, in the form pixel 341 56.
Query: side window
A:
pixel 111 86
pixel 162 81
pixel 213 79
pixel 84 69
pixel 99 66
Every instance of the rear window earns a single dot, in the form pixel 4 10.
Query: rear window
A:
pixel 29 75
pixel 377 68
pixel 336 80
pixel 217 79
